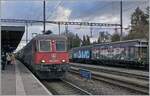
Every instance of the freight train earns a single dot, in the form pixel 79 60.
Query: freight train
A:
pixel 130 53
pixel 46 56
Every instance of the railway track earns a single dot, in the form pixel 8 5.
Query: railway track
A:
pixel 123 79
pixel 62 87
pixel 116 71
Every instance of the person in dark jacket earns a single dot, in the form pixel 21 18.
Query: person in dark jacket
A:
pixel 3 60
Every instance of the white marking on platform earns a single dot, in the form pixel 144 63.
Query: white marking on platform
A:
pixel 19 83
pixel 39 83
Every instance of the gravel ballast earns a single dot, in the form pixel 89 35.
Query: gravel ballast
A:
pixel 99 87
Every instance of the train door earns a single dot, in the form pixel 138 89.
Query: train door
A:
pixel 131 53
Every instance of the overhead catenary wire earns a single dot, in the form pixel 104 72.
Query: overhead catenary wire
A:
pixel 89 19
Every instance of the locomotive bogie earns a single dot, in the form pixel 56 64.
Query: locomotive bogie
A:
pixel 53 71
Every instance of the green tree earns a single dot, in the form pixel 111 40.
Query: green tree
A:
pixel 84 41
pixel 139 24
pixel 115 37
pixel 99 39
pixel 76 41
pixel 87 40
pixel 72 40
pixel 104 36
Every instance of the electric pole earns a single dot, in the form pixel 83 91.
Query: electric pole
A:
pixel 26 33
pixel 59 28
pixel 66 29
pixel 121 24
pixel 44 16
pixel 91 29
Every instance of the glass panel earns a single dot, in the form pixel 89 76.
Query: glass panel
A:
pixel 60 46
pixel 44 45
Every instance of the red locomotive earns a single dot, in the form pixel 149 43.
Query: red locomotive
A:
pixel 46 56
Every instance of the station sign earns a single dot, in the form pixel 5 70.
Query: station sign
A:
pixel 85 73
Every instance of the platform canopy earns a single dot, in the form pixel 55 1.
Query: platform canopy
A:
pixel 11 37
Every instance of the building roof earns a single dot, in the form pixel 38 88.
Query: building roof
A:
pixel 11 36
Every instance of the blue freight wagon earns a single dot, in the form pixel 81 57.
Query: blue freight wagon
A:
pixel 81 54
pixel 125 53
pixel 130 53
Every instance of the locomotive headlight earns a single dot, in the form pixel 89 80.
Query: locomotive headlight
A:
pixel 42 61
pixel 63 61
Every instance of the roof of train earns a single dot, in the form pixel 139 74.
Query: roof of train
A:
pixel 117 42
pixel 51 36
pixel 89 46
pixel 126 41
pixel 45 37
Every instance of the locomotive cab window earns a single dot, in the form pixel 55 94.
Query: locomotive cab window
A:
pixel 60 46
pixel 44 46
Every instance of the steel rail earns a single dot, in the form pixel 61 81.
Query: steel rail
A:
pixel 116 72
pixel 84 91
pixel 117 80
pixel 55 91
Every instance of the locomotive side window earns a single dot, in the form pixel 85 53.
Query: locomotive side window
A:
pixel 60 46
pixel 44 46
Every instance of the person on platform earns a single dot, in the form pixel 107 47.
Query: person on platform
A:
pixel 8 58
pixel 3 60
pixel 13 60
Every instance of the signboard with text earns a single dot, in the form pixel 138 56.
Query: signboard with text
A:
pixel 85 73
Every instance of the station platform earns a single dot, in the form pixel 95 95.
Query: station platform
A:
pixel 16 79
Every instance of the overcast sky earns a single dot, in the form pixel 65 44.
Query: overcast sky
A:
pixel 100 11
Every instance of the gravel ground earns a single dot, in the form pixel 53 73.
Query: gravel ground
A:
pixel 61 88
pixel 99 87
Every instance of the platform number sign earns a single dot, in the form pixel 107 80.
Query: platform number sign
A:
pixel 85 73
